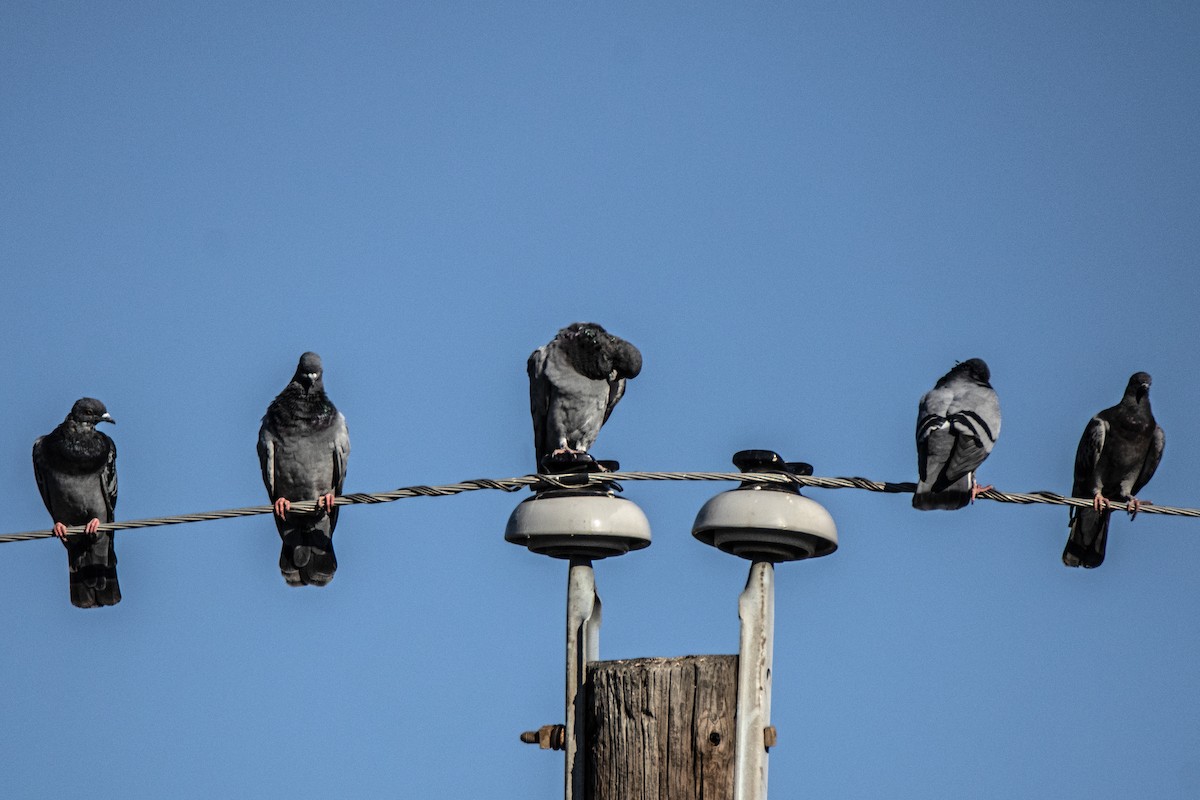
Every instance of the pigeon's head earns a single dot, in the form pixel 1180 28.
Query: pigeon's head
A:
pixel 1138 386
pixel 89 411
pixel 598 354
pixel 974 368
pixel 627 359
pixel 309 371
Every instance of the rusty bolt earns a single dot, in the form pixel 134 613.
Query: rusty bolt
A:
pixel 770 737
pixel 547 737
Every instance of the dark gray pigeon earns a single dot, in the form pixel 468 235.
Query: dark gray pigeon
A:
pixel 76 470
pixel 958 422
pixel 575 381
pixel 303 446
pixel 1117 456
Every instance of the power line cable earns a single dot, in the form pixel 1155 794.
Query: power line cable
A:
pixel 584 479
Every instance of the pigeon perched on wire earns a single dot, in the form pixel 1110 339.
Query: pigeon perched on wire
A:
pixel 1117 456
pixel 575 382
pixel 76 470
pixel 303 446
pixel 958 422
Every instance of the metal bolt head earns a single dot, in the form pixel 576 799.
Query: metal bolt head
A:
pixel 547 737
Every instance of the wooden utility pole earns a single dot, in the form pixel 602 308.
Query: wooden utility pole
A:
pixel 692 728
pixel 662 728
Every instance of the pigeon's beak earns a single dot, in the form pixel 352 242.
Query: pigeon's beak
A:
pixel 107 418
pixel 1143 390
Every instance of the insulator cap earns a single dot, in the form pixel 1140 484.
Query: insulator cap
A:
pixel 582 524
pixel 767 522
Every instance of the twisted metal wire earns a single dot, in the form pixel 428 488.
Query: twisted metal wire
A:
pixel 575 481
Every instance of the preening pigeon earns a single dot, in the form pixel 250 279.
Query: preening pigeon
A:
pixel 1117 456
pixel 303 446
pixel 76 470
pixel 958 422
pixel 575 381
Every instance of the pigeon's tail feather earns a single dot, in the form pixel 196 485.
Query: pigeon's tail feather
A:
pixel 93 571
pixel 293 555
pixel 307 558
pixel 1089 535
pixel 949 500
pixel 322 562
pixel 287 565
pixel 95 592
pixel 929 497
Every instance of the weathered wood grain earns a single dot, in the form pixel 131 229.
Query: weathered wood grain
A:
pixel 662 728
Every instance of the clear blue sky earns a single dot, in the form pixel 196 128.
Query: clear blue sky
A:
pixel 802 214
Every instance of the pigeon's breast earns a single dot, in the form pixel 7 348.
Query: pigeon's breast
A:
pixel 78 455
pixel 1124 452
pixel 304 466
pixel 75 499
pixel 577 404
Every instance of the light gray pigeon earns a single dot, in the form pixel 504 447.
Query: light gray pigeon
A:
pixel 76 470
pixel 303 446
pixel 958 422
pixel 1117 456
pixel 575 381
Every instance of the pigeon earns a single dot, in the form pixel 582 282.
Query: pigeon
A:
pixel 303 446
pixel 76 470
pixel 1117 456
pixel 575 382
pixel 958 422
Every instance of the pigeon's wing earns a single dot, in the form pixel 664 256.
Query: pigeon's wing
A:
pixel 957 426
pixel 616 390
pixel 1153 456
pixel 539 401
pixel 975 423
pixel 341 454
pixel 1087 456
pixel 39 474
pixel 968 451
pixel 266 459
pixel 108 480
pixel 933 443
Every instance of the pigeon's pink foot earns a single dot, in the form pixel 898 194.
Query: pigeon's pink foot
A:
pixel 282 506
pixel 60 531
pixel 325 502
pixel 1099 502
pixel 92 526
pixel 977 490
pixel 1135 506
